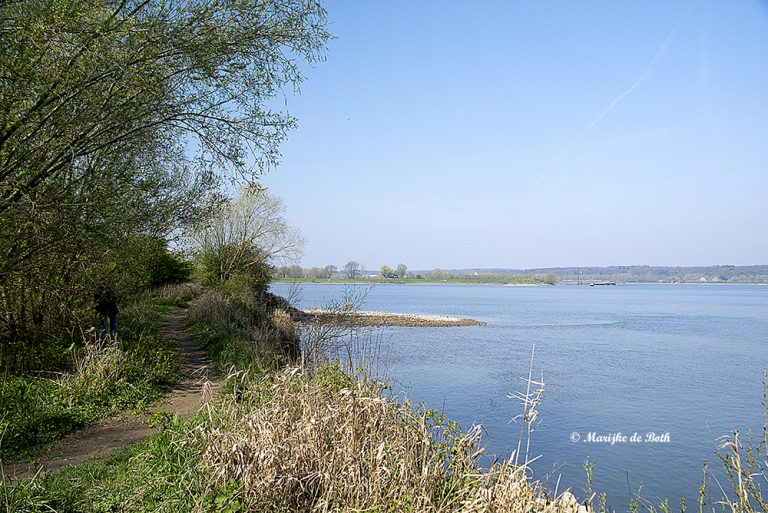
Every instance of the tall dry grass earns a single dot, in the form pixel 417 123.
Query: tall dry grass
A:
pixel 319 441
pixel 745 460
pixel 98 370
pixel 179 291
pixel 242 331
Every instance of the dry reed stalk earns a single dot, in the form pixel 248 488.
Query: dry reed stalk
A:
pixel 99 364
pixel 178 290
pixel 529 417
pixel 298 443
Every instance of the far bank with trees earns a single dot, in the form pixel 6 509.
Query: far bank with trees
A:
pixel 353 273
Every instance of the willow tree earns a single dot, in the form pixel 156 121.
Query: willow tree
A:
pixel 245 239
pixel 117 118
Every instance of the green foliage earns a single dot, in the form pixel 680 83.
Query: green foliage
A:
pixel 107 376
pixel 247 234
pixel 25 354
pixel 163 266
pixel 42 314
pixel 235 266
pixel 158 474
pixel 225 499
pixel 228 349
pixel 249 334
pixel 386 272
pixel 332 377
pixel 118 121
pixel 501 278
pixel 141 263
pixel 36 411
pixel 122 76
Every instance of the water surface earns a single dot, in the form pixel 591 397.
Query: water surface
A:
pixel 686 360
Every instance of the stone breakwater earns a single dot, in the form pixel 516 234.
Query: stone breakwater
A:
pixel 386 319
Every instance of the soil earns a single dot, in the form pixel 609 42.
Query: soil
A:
pixel 109 435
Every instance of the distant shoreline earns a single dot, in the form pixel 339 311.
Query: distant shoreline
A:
pixel 314 281
pixel 498 284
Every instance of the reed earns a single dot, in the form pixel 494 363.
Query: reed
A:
pixel 320 441
pixel 745 460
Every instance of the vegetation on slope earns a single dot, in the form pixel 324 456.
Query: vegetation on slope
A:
pixel 118 122
pixel 285 438
pixel 294 440
pixel 106 375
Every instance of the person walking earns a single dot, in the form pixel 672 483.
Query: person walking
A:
pixel 106 306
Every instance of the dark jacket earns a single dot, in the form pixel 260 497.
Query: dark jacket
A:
pixel 106 302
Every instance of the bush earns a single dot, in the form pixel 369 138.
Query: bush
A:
pixel 169 268
pixel 235 266
pixel 249 333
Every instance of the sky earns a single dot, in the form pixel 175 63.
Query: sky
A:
pixel 523 134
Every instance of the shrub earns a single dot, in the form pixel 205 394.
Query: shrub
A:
pixel 235 266
pixel 168 268
pixel 247 332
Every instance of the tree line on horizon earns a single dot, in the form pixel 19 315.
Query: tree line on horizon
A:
pixel 353 270
pixel 619 274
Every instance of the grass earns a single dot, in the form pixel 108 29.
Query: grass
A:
pixel 323 440
pixel 152 475
pixel 296 440
pixel 242 334
pixel 485 278
pixel 105 375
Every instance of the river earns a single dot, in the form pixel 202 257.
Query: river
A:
pixel 684 362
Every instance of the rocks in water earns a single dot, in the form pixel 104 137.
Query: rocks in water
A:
pixel 386 319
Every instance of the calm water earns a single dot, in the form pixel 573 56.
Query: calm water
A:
pixel 680 359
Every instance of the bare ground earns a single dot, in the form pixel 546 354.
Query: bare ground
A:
pixel 109 435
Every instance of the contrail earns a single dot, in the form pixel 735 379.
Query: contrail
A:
pixel 648 70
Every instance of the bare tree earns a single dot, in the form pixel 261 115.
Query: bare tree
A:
pixel 352 268
pixel 251 223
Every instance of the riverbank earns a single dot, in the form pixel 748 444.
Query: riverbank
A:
pixel 315 281
pixel 385 319
pixel 322 438
pixel 297 439
pixel 288 438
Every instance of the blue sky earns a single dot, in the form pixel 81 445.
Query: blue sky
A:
pixel 528 134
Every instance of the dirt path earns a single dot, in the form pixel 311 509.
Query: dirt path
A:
pixel 105 437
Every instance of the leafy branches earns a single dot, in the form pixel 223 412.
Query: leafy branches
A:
pixel 118 120
pixel 246 236
pixel 85 78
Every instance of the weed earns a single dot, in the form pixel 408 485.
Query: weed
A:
pixel 105 375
